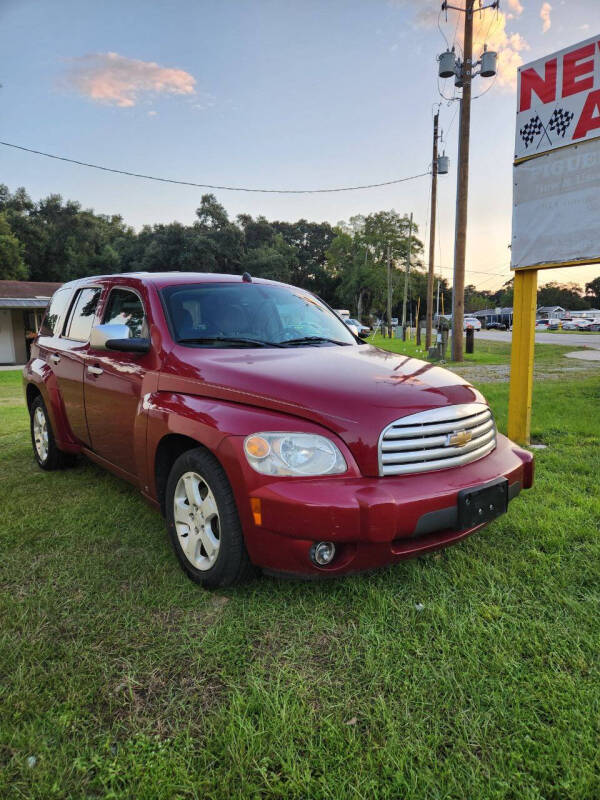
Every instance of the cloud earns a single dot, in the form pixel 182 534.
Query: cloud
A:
pixel 489 28
pixel 545 17
pixel 119 81
pixel 509 46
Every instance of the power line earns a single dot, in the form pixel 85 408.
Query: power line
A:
pixel 214 186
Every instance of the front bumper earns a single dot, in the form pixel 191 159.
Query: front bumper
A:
pixel 373 521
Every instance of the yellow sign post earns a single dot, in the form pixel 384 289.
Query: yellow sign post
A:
pixel 521 359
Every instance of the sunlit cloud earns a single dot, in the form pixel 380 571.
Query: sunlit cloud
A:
pixel 515 6
pixel 509 46
pixel 545 17
pixel 119 81
pixel 490 28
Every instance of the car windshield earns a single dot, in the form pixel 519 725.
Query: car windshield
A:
pixel 251 315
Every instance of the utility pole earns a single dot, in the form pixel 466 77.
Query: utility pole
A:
pixel 463 74
pixel 434 174
pixel 406 276
pixel 462 191
pixel 389 292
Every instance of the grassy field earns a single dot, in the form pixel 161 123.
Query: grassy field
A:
pixel 473 673
pixel 486 351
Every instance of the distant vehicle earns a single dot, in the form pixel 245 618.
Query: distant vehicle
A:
pixel 363 330
pixel 577 325
pixel 471 322
pixel 547 324
pixel 342 312
pixel 497 326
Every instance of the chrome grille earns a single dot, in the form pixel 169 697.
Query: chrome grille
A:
pixel 422 442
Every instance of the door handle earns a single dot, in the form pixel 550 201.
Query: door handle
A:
pixel 55 358
pixel 95 370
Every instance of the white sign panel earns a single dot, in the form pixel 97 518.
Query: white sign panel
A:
pixel 558 99
pixel 556 213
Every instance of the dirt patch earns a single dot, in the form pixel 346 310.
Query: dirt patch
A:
pixel 157 701
pixel 500 373
pixel 206 616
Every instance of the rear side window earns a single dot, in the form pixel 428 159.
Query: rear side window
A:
pixel 56 312
pixel 81 318
pixel 124 307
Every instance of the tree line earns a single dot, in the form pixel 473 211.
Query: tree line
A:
pixel 57 240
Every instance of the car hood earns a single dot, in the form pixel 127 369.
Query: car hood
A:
pixel 354 391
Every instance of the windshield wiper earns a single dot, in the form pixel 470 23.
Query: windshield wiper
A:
pixel 312 340
pixel 228 340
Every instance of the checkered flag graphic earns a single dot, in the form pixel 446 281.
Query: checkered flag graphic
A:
pixel 560 121
pixel 532 129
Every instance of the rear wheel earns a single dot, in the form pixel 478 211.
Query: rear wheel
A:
pixel 203 522
pixel 46 453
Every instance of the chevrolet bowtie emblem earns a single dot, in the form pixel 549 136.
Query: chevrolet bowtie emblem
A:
pixel 459 439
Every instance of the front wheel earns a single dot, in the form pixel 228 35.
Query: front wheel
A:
pixel 203 522
pixel 46 453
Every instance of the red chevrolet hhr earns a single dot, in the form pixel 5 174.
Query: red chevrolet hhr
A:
pixel 266 433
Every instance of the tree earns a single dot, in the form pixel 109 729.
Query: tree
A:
pixel 592 292
pixel 12 266
pixel 359 256
pixel 310 269
pixel 566 295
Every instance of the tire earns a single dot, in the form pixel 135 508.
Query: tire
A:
pixel 203 522
pixel 46 453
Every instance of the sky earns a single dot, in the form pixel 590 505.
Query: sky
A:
pixel 275 94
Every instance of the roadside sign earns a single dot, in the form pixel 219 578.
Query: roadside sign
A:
pixel 557 160
pixel 558 100
pixel 556 194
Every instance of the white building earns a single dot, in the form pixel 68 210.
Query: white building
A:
pixel 22 307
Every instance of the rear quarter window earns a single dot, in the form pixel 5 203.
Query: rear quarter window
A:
pixel 56 312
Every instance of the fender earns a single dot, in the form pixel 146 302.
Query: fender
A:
pixel 38 372
pixel 210 422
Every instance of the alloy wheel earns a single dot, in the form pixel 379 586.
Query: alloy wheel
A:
pixel 197 521
pixel 40 434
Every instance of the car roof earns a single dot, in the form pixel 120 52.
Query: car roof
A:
pixel 162 279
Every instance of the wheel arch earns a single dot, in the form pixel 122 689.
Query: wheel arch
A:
pixel 31 392
pixel 168 450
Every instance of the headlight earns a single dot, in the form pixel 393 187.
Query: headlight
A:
pixel 293 454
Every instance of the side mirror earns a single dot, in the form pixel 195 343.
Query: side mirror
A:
pixel 117 337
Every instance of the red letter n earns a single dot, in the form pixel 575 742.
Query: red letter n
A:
pixel 545 87
pixel 573 70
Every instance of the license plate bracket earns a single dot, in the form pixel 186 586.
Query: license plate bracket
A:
pixel 482 503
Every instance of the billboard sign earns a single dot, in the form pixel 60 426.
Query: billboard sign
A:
pixel 558 100
pixel 556 191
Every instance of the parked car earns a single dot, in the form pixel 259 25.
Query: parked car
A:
pixel 471 322
pixel 232 405
pixel 496 326
pixel 548 324
pixel 577 325
pixel 362 330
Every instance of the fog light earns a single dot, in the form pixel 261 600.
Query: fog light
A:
pixel 322 553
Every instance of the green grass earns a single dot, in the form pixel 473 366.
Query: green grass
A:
pixel 486 351
pixel 124 680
